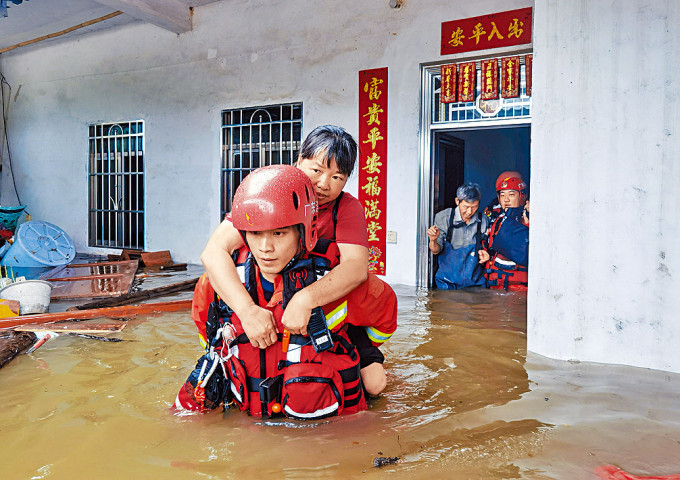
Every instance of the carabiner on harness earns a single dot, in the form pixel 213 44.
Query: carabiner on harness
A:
pixel 214 357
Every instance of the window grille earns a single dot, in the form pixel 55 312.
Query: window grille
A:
pixel 257 137
pixel 116 185
pixel 510 108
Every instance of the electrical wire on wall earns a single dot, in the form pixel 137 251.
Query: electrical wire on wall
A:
pixel 5 136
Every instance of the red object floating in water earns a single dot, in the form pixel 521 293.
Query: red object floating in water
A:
pixel 610 472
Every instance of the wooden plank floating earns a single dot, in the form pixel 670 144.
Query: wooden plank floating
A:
pixel 155 259
pixel 88 280
pixel 74 327
pixel 174 267
pixel 13 344
pixel 122 311
pixel 140 295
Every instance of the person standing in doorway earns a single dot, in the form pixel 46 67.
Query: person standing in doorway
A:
pixel 456 237
pixel 507 252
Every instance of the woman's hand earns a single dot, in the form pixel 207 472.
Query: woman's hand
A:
pixel 259 325
pixel 297 313
pixel 483 256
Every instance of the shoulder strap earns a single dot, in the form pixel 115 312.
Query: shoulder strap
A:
pixel 335 213
pixel 302 273
pixel 449 231
pixel 452 225
pixel 478 245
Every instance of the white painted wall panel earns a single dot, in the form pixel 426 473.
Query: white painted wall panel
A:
pixel 604 232
pixel 240 53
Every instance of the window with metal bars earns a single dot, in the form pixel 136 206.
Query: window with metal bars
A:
pixel 116 185
pixel 256 137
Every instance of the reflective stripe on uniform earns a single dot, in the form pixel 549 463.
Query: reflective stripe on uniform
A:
pixel 334 318
pixel 504 263
pixel 376 335
pixel 322 412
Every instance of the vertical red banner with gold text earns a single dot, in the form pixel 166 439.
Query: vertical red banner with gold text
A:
pixel 510 73
pixel 489 86
pixel 448 83
pixel 528 67
pixel 373 162
pixel 467 76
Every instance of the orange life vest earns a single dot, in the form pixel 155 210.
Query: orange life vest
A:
pixel 305 384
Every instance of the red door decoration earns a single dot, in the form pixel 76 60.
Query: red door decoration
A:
pixel 467 74
pixel 503 29
pixel 489 85
pixel 373 162
pixel 528 65
pixel 510 75
pixel 448 84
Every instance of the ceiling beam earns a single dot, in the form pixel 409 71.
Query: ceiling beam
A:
pixel 172 15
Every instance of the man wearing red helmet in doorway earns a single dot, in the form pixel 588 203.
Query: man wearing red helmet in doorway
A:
pixel 494 208
pixel 507 252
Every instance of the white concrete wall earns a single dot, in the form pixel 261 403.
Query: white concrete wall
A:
pixel 604 236
pixel 240 53
pixel 605 248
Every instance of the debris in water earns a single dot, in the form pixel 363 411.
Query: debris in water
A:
pixel 382 461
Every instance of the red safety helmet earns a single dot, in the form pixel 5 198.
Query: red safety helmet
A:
pixel 512 181
pixel 504 176
pixel 276 196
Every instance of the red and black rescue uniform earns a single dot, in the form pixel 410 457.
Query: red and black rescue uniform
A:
pixel 502 272
pixel 290 373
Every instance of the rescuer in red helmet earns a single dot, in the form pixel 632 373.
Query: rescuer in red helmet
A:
pixel 301 376
pixel 328 157
pixel 513 183
pixel 506 252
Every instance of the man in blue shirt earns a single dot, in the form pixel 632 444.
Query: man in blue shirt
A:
pixel 456 236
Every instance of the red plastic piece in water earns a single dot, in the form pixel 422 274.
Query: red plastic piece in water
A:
pixel 610 472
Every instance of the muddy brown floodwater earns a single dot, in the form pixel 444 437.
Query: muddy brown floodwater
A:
pixel 464 401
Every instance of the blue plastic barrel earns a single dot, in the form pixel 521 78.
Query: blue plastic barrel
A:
pixel 38 246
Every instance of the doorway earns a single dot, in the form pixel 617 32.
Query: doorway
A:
pixel 466 142
pixel 449 168
pixel 476 155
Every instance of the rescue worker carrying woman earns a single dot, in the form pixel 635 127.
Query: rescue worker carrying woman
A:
pixel 328 156
pixel 305 377
pixel 507 251
pixel 456 237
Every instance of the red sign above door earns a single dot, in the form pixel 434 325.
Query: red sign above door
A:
pixel 503 29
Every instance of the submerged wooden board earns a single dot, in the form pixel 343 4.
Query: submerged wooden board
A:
pixel 76 327
pixel 154 259
pixel 13 345
pixel 122 311
pixel 136 297
pixel 90 280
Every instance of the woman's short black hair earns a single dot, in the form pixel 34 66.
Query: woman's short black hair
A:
pixel 333 142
